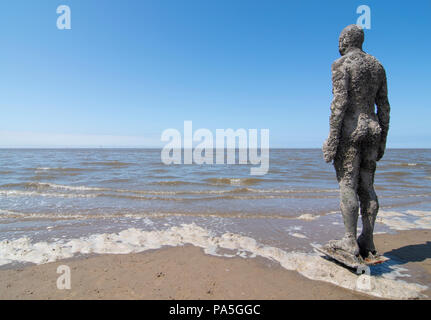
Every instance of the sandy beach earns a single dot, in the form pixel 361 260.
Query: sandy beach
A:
pixel 211 150
pixel 186 272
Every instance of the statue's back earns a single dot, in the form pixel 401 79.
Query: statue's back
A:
pixel 365 76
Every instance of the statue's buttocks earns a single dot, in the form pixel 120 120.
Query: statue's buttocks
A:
pixel 361 127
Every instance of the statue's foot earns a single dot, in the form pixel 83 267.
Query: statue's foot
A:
pixel 367 248
pixel 372 256
pixel 347 244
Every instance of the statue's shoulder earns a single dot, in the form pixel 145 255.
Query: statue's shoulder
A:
pixel 339 64
pixel 375 62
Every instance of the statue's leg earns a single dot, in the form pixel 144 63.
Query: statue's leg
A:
pixel 368 199
pixel 347 164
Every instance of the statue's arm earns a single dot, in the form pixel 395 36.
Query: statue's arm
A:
pixel 340 85
pixel 383 110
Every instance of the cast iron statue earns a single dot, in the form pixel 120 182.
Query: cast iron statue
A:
pixel 357 138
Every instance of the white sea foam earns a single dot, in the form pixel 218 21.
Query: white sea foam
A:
pixel 396 272
pixel 73 188
pixel 292 231
pixel 419 213
pixel 411 219
pixel 298 235
pixel 134 240
pixel 81 188
pixel 307 217
pixel 20 193
pixel 6 212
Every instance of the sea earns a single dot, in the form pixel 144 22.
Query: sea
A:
pixel 52 196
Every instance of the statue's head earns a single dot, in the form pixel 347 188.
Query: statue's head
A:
pixel 352 36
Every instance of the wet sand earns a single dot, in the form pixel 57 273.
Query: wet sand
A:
pixel 187 273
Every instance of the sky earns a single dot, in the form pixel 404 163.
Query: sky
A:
pixel 130 69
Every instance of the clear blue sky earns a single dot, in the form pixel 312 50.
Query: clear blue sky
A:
pixel 130 69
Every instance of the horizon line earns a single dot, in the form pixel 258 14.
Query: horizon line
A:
pixel 160 148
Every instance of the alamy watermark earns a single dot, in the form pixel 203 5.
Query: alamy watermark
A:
pixel 364 281
pixel 64 20
pixel 228 144
pixel 364 20
pixel 64 281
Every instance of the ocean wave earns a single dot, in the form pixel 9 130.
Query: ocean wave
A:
pixel 58 169
pixel 293 190
pixel 243 190
pixel 146 196
pixel 404 164
pixel 35 188
pixel 47 185
pixel 307 217
pixel 261 197
pixel 175 183
pixel 234 181
pixel 216 196
pixel 8 214
pixel 159 170
pixel 160 196
pixel 20 193
pixel 416 195
pixel 107 163
pixel 41 216
pixel 40 177
pixel 395 173
pixel 117 180
pixel 74 188
pixel 409 220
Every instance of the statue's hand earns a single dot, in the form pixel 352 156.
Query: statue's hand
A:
pixel 329 149
pixel 381 151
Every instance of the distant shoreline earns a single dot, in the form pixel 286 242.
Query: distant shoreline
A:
pixel 159 148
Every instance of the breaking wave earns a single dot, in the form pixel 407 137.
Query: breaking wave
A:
pixel 46 189
pixel 234 181
pixel 137 240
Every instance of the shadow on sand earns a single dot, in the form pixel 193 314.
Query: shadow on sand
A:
pixel 403 255
pixel 411 253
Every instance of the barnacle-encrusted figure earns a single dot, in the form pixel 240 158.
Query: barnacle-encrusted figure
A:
pixel 357 137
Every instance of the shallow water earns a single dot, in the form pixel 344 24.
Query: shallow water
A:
pixel 75 192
